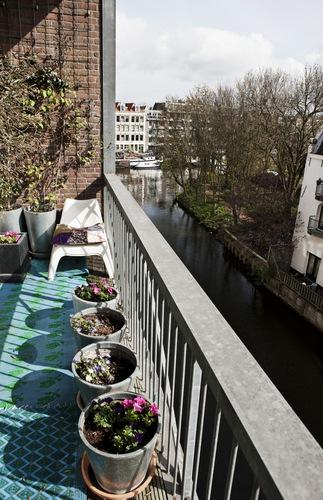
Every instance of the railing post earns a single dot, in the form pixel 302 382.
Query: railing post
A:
pixel 108 79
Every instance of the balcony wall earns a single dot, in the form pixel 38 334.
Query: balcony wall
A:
pixel 70 32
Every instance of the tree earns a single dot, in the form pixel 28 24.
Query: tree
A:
pixel 289 113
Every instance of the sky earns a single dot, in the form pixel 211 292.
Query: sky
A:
pixel 167 48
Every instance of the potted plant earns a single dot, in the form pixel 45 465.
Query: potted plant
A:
pixel 92 325
pixel 120 433
pixel 98 293
pixel 103 367
pixel 14 259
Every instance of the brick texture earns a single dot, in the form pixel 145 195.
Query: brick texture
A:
pixel 72 28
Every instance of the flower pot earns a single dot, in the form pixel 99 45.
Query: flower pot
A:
pixel 40 226
pixel 90 391
pixel 116 317
pixel 80 304
pixel 14 260
pixel 118 472
pixel 12 220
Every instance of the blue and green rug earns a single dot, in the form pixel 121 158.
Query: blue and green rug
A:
pixel 40 448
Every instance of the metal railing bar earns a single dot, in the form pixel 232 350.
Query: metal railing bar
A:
pixel 255 493
pixel 232 466
pixel 156 337
pixel 146 334
pixel 191 422
pixel 214 448
pixel 161 348
pixel 172 391
pixel 198 442
pixel 180 417
pixel 170 319
pixel 151 336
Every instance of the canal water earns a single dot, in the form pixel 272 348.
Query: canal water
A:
pixel 288 348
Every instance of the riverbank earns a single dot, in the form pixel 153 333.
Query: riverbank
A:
pixel 305 302
pixel 218 220
pixel 259 227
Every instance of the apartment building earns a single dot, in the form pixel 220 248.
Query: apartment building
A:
pixel 138 127
pixel 308 234
pixel 154 126
pixel 131 127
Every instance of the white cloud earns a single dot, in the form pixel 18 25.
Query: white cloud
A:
pixel 153 63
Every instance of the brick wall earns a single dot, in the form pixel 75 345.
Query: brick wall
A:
pixel 72 29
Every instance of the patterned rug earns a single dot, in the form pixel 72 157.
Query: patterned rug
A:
pixel 39 443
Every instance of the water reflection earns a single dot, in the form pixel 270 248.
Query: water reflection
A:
pixel 288 348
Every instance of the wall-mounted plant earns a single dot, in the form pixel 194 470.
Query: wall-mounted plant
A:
pixel 41 117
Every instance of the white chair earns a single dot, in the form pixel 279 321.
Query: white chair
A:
pixel 80 214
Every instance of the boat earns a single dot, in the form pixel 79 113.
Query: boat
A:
pixel 145 164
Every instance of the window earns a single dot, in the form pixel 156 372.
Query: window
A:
pixel 118 137
pixel 127 118
pixel 320 222
pixel 127 137
pixel 132 119
pixel 118 118
pixel 313 265
pixel 141 138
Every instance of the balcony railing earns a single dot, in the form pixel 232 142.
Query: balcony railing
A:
pixel 314 226
pixel 226 430
pixel 319 191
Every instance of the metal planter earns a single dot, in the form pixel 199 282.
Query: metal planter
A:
pixel 90 391
pixel 14 260
pixel 41 227
pixel 83 340
pixel 81 304
pixel 12 220
pixel 118 473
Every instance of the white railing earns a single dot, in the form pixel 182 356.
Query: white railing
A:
pixel 226 430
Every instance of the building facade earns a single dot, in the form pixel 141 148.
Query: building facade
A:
pixel 131 127
pixel 137 127
pixel 154 126
pixel 308 235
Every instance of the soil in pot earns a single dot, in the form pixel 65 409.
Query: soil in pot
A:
pixel 96 324
pixel 104 370
pixel 135 431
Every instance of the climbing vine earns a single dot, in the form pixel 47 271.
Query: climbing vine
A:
pixel 41 118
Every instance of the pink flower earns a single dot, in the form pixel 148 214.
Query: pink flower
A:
pixel 110 290
pixel 11 233
pixel 154 408
pixel 137 407
pixel 96 289
pixel 139 400
pixel 127 403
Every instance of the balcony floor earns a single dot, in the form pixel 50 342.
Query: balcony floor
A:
pixel 39 443
pixel 39 439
